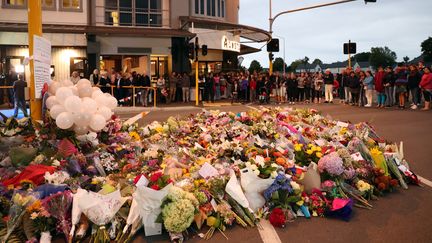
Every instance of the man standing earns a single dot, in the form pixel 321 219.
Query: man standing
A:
pixel 19 97
pixel 186 87
pixel 328 85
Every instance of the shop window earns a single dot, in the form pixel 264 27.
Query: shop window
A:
pixel 71 5
pixel 159 66
pixel 49 4
pixel 133 13
pixel 14 3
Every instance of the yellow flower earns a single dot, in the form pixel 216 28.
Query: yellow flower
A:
pixel 375 151
pixel 298 147
pixel 318 149
pixel 300 203
pixel 363 186
pixel 135 135
pixel 37 205
pixel 276 135
pixel 159 129
pixel 309 151
pixel 319 154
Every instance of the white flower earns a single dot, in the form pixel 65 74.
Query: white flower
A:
pixel 257 172
pixel 295 185
pixel 274 165
pixel 248 164
pixel 274 174
pixel 56 178
pixel 56 163
pixel 254 167
pixel 260 160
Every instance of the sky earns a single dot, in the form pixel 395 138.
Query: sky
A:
pixel 320 33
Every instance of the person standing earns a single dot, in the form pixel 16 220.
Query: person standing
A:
pixel 368 86
pixel 401 84
pixel 186 87
pixel 172 87
pixel 217 86
pixel 379 87
pixel 253 86
pixel 10 79
pixel 414 79
pixel 307 87
pixel 19 95
pixel 426 86
pixel 291 85
pixel 75 77
pixel 300 87
pixel 209 87
pixel 223 84
pixel 328 85
pixel 95 77
pixel 388 82
pixel 354 85
pixel 318 83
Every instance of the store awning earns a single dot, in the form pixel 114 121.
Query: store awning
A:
pixel 244 49
pixel 247 32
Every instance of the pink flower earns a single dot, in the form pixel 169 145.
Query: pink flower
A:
pixel 332 164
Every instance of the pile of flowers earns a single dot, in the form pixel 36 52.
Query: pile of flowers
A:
pixel 201 174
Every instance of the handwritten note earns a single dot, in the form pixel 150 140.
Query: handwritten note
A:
pixel 208 171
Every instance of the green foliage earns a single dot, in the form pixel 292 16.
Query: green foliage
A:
pixel 426 48
pixel 362 56
pixel 255 66
pixel 406 59
pixel 278 64
pixel 382 56
pixel 317 61
pixel 295 64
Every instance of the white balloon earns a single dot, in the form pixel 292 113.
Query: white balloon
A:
pixel 62 94
pixel 89 105
pixel 73 104
pixel 101 100
pixel 64 120
pixel 51 101
pixel 112 103
pixel 96 93
pixel 52 89
pixel 82 118
pixel 56 110
pixel 96 89
pixel 67 83
pixel 81 130
pixel 105 112
pixel 74 90
pixel 97 122
pixel 85 90
pixel 84 81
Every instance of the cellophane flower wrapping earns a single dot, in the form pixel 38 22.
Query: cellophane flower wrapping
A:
pixel 253 187
pixel 149 206
pixel 59 206
pixel 20 201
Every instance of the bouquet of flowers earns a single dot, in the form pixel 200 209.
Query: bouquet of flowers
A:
pixel 58 206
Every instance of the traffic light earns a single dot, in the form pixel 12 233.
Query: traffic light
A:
pixel 273 45
pixel 191 50
pixel 271 56
pixel 350 48
pixel 370 1
pixel 204 50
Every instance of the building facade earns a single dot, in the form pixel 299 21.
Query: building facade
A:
pixel 146 36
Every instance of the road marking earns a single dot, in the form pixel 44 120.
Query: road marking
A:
pixel 134 119
pixel 268 233
pixel 425 181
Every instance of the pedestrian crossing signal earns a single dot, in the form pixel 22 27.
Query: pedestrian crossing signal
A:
pixel 204 50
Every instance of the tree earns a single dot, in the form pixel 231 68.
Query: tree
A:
pixel 255 66
pixel 382 56
pixel 305 61
pixel 426 48
pixel 278 64
pixel 362 56
pixel 406 59
pixel 295 64
pixel 317 62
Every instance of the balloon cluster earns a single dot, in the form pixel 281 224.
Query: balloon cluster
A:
pixel 80 107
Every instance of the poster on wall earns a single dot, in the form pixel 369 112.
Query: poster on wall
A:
pixel 42 63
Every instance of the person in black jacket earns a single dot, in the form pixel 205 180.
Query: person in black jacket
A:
pixel 389 81
pixel 328 85
pixel 291 86
pixel 146 83
pixel 353 83
pixel 414 79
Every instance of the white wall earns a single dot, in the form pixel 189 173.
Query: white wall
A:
pixel 10 15
pixel 159 46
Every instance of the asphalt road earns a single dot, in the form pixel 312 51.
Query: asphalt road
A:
pixel 403 216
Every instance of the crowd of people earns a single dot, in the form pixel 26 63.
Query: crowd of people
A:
pixel 386 87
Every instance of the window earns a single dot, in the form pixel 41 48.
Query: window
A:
pixel 133 13
pixel 49 4
pixel 14 3
pixel 212 8
pixel 71 5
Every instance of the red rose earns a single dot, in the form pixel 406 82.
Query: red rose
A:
pixel 155 177
pixel 277 217
pixel 137 178
pixel 155 187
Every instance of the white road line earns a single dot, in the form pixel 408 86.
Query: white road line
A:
pixel 251 107
pixel 268 233
pixel 134 119
pixel 425 181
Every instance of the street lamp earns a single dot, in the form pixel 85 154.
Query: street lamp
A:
pixel 272 19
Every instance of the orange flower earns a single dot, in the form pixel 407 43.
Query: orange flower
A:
pixel 280 161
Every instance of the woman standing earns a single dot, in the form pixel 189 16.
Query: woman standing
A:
pixel 368 86
pixel 362 97
pixel 426 86
pixel 300 87
pixel 414 79
pixel 217 87
pixel 318 84
pixel 401 85
pixel 379 87
pixel 291 86
pixel 253 86
pixel 388 82
pixel 354 85
pixel 307 87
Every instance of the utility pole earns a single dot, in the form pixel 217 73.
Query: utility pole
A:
pixel 196 72
pixel 349 54
pixel 34 28
pixel 271 35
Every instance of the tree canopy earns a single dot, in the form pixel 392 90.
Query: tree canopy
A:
pixel 317 61
pixel 278 64
pixel 426 48
pixel 382 56
pixel 255 66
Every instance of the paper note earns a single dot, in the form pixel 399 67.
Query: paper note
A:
pixel 208 171
pixel 357 156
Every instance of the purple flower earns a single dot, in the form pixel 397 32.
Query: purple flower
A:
pixel 281 182
pixel 332 164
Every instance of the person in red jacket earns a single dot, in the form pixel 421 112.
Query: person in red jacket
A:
pixel 426 86
pixel 379 86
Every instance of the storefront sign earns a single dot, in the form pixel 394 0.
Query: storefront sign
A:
pixel 42 63
pixel 230 45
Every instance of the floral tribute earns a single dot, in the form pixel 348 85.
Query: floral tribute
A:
pixel 199 175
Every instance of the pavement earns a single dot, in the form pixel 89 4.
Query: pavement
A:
pixel 402 216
